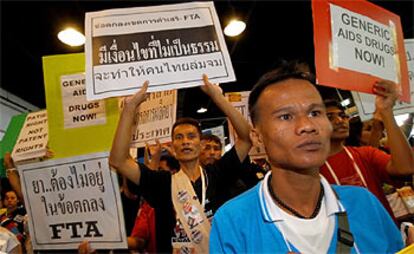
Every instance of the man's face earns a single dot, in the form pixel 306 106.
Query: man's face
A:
pixel 186 142
pixel 210 152
pixel 292 125
pixel 340 123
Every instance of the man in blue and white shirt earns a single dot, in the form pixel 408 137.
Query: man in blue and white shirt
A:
pixel 294 209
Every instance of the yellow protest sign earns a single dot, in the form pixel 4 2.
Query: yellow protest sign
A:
pixel 76 126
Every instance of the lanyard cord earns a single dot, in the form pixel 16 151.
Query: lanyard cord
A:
pixel 355 167
pixel 203 187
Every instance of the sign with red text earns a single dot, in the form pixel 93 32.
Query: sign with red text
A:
pixel 77 111
pixel 33 138
pixel 356 44
pixel 169 45
pixel 366 102
pixel 72 200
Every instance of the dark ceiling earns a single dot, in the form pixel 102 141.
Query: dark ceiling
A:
pixel 275 30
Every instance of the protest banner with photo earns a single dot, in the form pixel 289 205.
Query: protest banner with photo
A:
pixel 240 100
pixel 156 116
pixel 33 138
pixel 76 127
pixel 356 44
pixel 71 200
pixel 366 102
pixel 77 111
pixel 169 45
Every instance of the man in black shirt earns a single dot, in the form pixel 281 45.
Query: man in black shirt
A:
pixel 174 202
pixel 211 147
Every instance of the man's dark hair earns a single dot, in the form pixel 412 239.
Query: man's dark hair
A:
pixel 3 195
pixel 186 120
pixel 355 131
pixel 333 103
pixel 287 70
pixel 211 137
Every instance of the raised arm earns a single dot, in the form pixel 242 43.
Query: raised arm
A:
pixel 240 124
pixel 402 158
pixel 119 157
pixel 407 126
pixel 155 153
pixel 377 128
pixel 12 175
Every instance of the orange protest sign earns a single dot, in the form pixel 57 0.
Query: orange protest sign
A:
pixel 356 44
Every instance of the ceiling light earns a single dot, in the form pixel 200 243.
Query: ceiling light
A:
pixel 201 110
pixel 234 28
pixel 71 37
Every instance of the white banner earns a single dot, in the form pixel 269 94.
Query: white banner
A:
pixel 240 100
pixel 169 45
pixel 71 200
pixel 33 138
pixel 362 44
pixel 366 102
pixel 156 116
pixel 77 111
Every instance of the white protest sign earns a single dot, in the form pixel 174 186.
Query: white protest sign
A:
pixel 156 116
pixel 33 138
pixel 240 100
pixel 366 102
pixel 169 45
pixel 73 199
pixel 362 44
pixel 77 111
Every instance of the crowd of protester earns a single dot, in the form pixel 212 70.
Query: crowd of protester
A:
pixel 320 190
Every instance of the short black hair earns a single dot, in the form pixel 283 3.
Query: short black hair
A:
pixel 3 195
pixel 333 103
pixel 211 137
pixel 186 120
pixel 355 131
pixel 287 70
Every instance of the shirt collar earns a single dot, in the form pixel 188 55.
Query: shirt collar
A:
pixel 271 212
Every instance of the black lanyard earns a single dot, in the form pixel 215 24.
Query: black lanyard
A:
pixel 345 239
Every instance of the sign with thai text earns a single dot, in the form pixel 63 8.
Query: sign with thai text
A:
pixel 33 138
pixel 169 45
pixel 356 44
pixel 78 112
pixel 366 102
pixel 155 118
pixel 71 200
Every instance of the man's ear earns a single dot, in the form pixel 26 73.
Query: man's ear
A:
pixel 256 137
